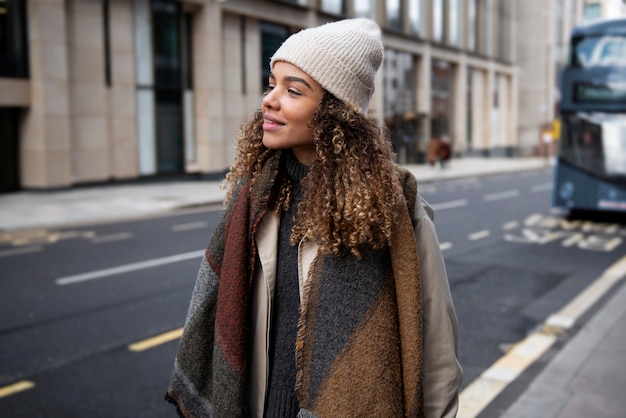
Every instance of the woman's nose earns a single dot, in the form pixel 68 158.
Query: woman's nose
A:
pixel 269 99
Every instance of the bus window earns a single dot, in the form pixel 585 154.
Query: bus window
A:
pixel 582 144
pixel 614 131
pixel 595 143
pixel 599 51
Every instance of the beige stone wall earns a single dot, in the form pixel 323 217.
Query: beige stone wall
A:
pixel 15 92
pixel 536 76
pixel 91 155
pixel 208 81
pixel 45 146
pixel 121 111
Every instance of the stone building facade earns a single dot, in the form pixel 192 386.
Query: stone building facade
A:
pixel 95 91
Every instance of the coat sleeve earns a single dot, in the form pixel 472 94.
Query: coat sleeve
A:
pixel 442 372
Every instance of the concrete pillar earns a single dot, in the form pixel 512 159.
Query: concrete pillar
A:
pixel 459 133
pixel 208 89
pixel 89 127
pixel 121 94
pixel 45 148
pixel 424 91
pixel 488 120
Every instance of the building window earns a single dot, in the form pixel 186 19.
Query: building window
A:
pixel 438 16
pixel 471 25
pixel 394 14
pixel 298 2
pixel 107 42
pixel 13 40
pixel 592 11
pixel 272 36
pixel 364 8
pixel 399 104
pixel 453 13
pixel 470 107
pixel 337 7
pixel 441 99
pixel 504 26
pixel 485 26
pixel 416 19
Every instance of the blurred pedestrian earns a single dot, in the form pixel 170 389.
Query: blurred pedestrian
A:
pixel 434 147
pixel 323 291
pixel 445 152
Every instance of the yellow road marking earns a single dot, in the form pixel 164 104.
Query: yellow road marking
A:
pixel 479 393
pixel 157 340
pixel 15 388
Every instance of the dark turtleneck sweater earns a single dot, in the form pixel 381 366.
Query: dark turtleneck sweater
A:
pixel 281 396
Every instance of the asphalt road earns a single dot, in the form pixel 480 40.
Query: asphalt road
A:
pixel 76 301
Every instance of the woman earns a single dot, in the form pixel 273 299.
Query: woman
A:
pixel 323 292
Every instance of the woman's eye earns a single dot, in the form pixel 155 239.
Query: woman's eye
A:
pixel 294 92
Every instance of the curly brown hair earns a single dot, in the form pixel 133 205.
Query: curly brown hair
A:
pixel 351 191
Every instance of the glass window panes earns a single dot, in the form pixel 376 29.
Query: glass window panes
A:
pixel 592 11
pixel 438 20
pixel 300 2
pixel 453 13
pixel 394 14
pixel 166 43
pixel 272 36
pixel 364 8
pixel 471 25
pixel 13 39
pixel 334 6
pixel 399 104
pixel 416 17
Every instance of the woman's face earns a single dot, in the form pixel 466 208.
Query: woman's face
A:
pixel 288 107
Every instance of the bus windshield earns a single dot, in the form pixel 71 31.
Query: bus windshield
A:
pixel 599 51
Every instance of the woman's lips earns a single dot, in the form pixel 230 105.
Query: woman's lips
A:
pixel 270 123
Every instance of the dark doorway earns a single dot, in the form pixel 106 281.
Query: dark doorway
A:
pixel 9 150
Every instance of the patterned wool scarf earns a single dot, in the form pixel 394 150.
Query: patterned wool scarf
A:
pixel 359 346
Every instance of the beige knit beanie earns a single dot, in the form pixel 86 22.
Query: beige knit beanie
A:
pixel 341 56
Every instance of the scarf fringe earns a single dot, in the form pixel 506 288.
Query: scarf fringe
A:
pixel 173 401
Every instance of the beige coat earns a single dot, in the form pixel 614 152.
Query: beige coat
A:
pixel 441 370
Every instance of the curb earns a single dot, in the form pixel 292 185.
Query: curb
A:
pixel 484 389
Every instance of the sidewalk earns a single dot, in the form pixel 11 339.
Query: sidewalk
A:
pixel 585 378
pixel 40 209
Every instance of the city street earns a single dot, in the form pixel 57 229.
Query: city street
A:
pixel 80 306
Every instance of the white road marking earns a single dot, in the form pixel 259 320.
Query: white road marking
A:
pixel 509 194
pixel 510 225
pixel 128 268
pixel 533 219
pixel 190 226
pixel 573 239
pixel 479 235
pixel 445 246
pixel 449 205
pixel 541 187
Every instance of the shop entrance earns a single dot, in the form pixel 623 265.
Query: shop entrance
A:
pixel 9 150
